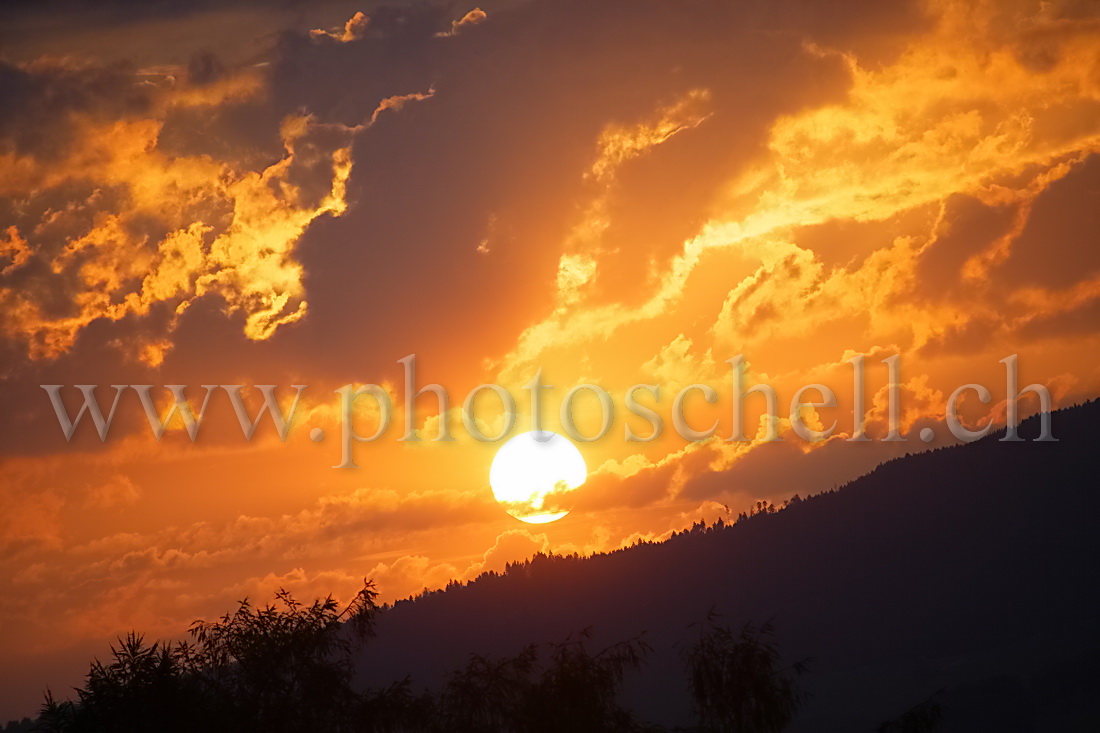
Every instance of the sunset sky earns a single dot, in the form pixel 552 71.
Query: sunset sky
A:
pixel 611 192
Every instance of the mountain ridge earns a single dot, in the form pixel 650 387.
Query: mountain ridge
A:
pixel 947 573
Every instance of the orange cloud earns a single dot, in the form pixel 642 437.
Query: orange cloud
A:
pixel 163 229
pixel 355 29
pixel 513 545
pixel 472 18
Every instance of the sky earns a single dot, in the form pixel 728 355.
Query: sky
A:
pixel 595 192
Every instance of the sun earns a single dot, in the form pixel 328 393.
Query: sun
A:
pixel 533 473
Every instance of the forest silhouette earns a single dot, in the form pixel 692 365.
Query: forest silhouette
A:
pixel 948 590
pixel 288 667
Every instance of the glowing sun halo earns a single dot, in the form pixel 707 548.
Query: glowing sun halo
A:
pixel 533 473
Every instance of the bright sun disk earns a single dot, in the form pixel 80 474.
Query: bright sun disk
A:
pixel 533 473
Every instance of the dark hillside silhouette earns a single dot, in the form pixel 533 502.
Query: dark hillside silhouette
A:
pixel 968 569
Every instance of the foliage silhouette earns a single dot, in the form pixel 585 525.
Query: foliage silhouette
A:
pixel 288 667
pixel 488 695
pixel 285 667
pixel 575 690
pixel 736 682
pixel 26 725
pixel 292 663
pixel 143 688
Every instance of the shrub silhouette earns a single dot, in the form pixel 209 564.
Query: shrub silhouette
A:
pixel 143 688
pixel 26 725
pixel 284 667
pixel 575 690
pixel 55 715
pixel 287 667
pixel 736 681
pixel 488 695
pixel 291 663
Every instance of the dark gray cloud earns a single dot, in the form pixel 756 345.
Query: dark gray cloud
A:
pixel 1057 247
pixel 40 101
